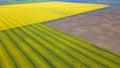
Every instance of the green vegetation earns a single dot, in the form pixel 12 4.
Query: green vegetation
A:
pixel 27 43
pixel 40 46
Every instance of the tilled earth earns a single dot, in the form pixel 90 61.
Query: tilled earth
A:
pixel 100 27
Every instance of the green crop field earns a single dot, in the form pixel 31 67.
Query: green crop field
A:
pixel 44 47
pixel 25 42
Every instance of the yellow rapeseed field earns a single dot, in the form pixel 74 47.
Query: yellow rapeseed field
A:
pixel 24 44
pixel 40 12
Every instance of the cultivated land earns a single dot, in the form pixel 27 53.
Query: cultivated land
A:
pixel 25 42
pixel 101 27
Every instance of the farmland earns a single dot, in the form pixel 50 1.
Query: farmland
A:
pixel 26 42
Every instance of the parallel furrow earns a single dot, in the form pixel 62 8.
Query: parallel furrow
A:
pixel 40 46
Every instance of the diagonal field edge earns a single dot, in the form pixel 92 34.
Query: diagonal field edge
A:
pixel 40 46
